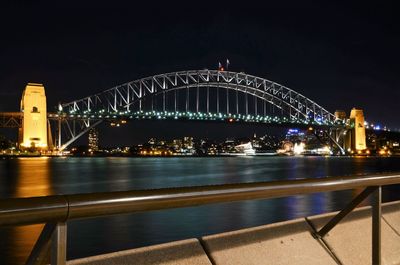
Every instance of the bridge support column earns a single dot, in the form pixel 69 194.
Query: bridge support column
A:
pixel 34 125
pixel 59 135
pixel 358 139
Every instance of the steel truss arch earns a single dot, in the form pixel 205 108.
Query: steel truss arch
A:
pixel 120 98
pixel 271 100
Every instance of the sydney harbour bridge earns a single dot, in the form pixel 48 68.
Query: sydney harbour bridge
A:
pixel 198 95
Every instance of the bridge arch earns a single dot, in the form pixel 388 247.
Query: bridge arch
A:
pixel 122 97
pixel 119 102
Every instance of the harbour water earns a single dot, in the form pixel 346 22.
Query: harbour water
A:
pixel 26 177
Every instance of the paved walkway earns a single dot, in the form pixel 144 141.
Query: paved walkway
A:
pixel 289 242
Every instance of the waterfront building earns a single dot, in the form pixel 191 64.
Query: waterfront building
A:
pixel 340 115
pixel 93 139
pixel 295 135
pixel 269 142
pixel 188 142
pixel 177 144
pixel 228 146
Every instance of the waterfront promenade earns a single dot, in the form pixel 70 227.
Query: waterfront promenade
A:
pixel 289 242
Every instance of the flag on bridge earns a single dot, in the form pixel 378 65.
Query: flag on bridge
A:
pixel 220 67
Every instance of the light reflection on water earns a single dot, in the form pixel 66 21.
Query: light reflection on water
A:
pixel 27 185
pixel 45 176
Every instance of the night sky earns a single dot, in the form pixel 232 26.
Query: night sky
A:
pixel 339 55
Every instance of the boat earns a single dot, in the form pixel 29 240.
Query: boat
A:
pixel 245 149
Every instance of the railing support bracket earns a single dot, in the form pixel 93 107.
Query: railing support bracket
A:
pixel 40 251
pixel 343 213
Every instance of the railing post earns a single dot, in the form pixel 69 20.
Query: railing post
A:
pixel 376 226
pixel 59 245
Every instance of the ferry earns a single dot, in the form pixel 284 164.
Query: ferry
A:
pixel 245 149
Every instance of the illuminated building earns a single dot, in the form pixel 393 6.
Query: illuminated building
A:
pixel 295 135
pixel 188 142
pixel 177 144
pixel 372 141
pixel 298 148
pixel 93 139
pixel 34 126
pixel 340 115
pixel 358 138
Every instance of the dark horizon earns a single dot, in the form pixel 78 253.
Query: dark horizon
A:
pixel 339 55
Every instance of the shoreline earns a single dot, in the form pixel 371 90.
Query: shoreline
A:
pixel 191 156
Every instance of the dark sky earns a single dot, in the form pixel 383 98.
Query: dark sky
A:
pixel 339 55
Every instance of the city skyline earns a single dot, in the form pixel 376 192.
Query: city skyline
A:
pixel 313 50
pixel 155 132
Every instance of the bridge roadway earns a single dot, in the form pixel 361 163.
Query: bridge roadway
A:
pixel 14 119
pixel 10 119
pixel 289 242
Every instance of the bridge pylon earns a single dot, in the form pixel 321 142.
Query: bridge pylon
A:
pixel 351 137
pixel 34 120
pixel 358 137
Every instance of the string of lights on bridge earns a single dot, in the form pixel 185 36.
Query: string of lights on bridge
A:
pixel 120 117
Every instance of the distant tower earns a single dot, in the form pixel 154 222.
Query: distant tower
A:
pixel 358 138
pixel 340 115
pixel 93 139
pixel 34 125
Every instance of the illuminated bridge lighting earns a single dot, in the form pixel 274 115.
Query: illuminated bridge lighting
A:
pixel 198 95
pixel 140 115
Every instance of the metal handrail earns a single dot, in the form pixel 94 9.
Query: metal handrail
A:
pixel 21 211
pixel 56 210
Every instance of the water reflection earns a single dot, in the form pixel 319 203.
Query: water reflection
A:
pixel 32 179
pixel 40 176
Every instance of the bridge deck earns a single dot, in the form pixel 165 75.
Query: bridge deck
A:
pixel 14 119
pixel 10 119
